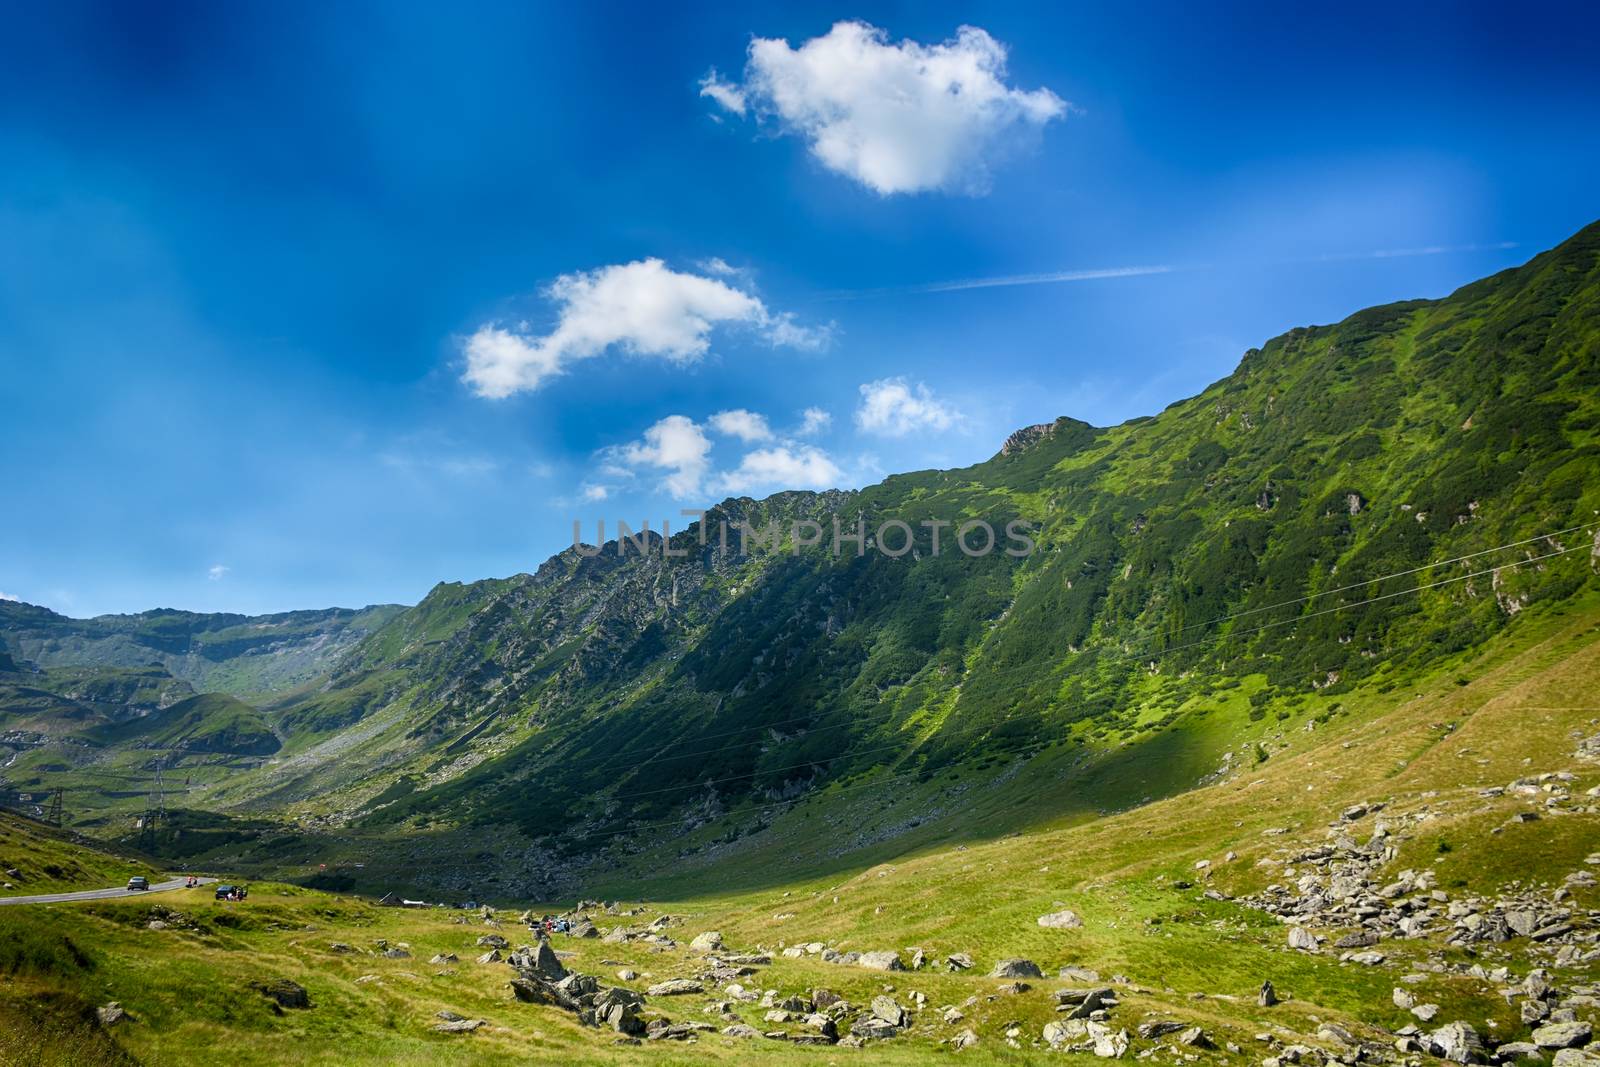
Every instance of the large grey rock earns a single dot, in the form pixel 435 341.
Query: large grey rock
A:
pixel 623 1018
pixel 675 987
pixel 881 961
pixel 1016 968
pixel 1108 1043
pixel 283 992
pixel 458 1026
pixel 870 1026
pixel 541 959
pixel 1563 1035
pixel 1061 920
pixel 889 1010
pixel 1302 939
pixel 710 941
pixel 1457 1042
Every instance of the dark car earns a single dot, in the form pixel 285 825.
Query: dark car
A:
pixel 225 891
pixel 138 881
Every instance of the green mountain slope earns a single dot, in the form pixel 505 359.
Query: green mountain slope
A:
pixel 239 654
pixel 207 723
pixel 1242 565
pixel 66 699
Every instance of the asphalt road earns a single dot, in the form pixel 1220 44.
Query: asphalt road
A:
pixel 99 894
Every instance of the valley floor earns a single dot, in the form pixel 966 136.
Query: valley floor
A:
pixel 1428 862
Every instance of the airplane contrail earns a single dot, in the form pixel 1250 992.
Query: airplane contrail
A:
pixel 1060 276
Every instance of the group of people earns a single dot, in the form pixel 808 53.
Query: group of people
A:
pixel 238 892
pixel 554 924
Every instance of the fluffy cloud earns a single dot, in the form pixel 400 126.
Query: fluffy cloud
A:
pixel 7 596
pixel 217 571
pixel 745 425
pixel 681 448
pixel 725 93
pixel 643 308
pixel 893 407
pixel 814 421
pixel 898 118
pixel 781 467
pixel 676 445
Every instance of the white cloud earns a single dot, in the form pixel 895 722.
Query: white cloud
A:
pixel 813 421
pixel 781 467
pixel 217 571
pixel 679 446
pixel 745 425
pixel 723 92
pixel 893 408
pixel 898 118
pixel 643 308
pixel 676 445
pixel 7 596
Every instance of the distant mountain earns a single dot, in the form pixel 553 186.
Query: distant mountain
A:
pixel 247 656
pixel 1354 506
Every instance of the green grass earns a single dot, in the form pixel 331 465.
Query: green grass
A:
pixel 187 986
pixel 48 860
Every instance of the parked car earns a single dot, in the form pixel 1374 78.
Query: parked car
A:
pixel 225 891
pixel 138 881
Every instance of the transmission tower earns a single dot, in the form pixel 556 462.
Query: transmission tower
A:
pixel 155 812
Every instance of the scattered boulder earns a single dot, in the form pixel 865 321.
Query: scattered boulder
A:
pixel 881 961
pixel 110 1014
pixel 1016 968
pixel 1457 1042
pixel 1107 1043
pixel 710 941
pixel 1302 939
pixel 1268 995
pixel 958 961
pixel 965 1039
pixel 539 959
pixel 675 987
pixel 890 1011
pixel 1061 920
pixel 283 993
pixel 458 1026
pixel 1563 1035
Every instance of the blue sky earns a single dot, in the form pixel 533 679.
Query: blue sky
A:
pixel 322 304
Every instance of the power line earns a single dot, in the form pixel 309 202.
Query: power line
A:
pixel 1386 577
pixel 1038 747
pixel 659 757
pixel 1255 629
